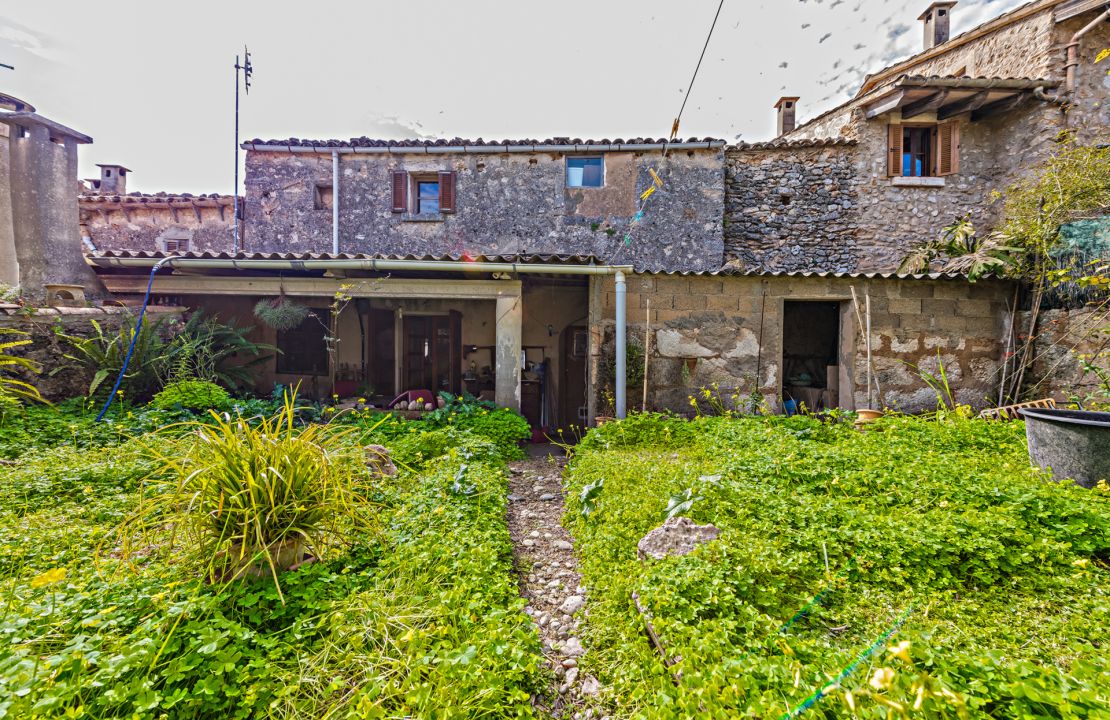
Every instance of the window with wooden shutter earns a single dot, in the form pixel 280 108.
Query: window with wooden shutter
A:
pixel 447 192
pixel 948 148
pixel 894 150
pixel 400 191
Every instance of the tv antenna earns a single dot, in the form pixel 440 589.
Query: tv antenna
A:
pixel 247 70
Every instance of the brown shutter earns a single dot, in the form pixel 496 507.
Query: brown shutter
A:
pixel 948 148
pixel 894 150
pixel 447 192
pixel 400 191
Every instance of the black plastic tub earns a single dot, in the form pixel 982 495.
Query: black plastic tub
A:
pixel 1073 444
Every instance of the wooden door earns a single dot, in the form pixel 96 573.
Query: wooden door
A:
pixel 572 376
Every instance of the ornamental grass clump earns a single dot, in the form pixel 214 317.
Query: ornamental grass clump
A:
pixel 252 498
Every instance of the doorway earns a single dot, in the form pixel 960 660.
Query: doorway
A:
pixel 572 385
pixel 432 353
pixel 810 355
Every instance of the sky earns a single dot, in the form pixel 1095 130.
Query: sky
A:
pixel 154 82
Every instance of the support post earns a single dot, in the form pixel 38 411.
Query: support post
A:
pixel 507 328
pixel 622 347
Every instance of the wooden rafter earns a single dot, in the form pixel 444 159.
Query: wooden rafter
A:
pixel 885 105
pixel 967 104
pixel 998 106
pixel 926 104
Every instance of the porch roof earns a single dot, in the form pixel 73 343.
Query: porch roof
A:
pixel 950 95
pixel 462 259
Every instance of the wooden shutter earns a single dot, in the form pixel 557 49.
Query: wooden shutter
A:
pixel 894 150
pixel 400 191
pixel 948 148
pixel 447 192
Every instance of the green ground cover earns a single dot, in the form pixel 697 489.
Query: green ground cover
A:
pixel 420 618
pixel 1001 575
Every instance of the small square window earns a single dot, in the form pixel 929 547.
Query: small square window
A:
pixel 585 172
pixel 427 197
pixel 324 196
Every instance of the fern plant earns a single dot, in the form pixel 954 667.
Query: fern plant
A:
pixel 102 353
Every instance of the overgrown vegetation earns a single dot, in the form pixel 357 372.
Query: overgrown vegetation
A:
pixel 829 536
pixel 419 619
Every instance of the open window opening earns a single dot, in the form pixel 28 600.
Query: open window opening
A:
pixel 810 355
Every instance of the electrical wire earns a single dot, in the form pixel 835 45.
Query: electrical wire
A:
pixel 690 86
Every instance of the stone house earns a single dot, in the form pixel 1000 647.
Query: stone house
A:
pixel 113 219
pixel 523 269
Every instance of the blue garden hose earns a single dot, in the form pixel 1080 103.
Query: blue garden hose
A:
pixel 134 337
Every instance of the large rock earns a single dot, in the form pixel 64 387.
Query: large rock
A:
pixel 677 536
pixel 378 460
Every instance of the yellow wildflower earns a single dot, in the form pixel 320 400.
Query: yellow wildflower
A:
pixel 49 577
pixel 882 678
pixel 901 651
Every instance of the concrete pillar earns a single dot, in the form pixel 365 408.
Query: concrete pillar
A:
pixel 509 316
pixel 9 265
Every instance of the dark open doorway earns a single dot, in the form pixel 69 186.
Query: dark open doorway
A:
pixel 810 355
pixel 572 403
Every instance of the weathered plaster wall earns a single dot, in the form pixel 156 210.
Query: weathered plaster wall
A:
pixel 733 327
pixel 9 263
pixel 792 209
pixel 507 203
pixel 43 182
pixel 1063 336
pixel 62 378
pixel 143 228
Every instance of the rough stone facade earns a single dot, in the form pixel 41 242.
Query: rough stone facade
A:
pixel 1063 337
pixel 158 222
pixel 729 328
pixel 506 204
pixel 792 209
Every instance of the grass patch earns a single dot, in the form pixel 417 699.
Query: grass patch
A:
pixel 1006 572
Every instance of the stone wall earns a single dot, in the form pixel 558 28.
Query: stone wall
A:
pixel 506 204
pixel 206 229
pixel 846 214
pixel 1063 337
pixel 61 377
pixel 1089 114
pixel 731 327
pixel 792 208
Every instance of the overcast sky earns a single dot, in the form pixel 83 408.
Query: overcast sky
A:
pixel 153 82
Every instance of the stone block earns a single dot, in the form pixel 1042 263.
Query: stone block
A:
pixel 952 289
pixel 727 303
pixel 904 306
pixel 915 289
pixel 689 302
pixel 976 308
pixel 672 284
pixel 938 308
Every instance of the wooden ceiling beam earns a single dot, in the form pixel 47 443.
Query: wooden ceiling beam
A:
pixel 967 104
pixel 926 104
pixel 998 106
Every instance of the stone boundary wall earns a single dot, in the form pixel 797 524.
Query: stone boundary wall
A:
pixel 1063 336
pixel 62 378
pixel 732 325
pixel 792 209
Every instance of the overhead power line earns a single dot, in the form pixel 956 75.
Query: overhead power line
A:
pixel 690 86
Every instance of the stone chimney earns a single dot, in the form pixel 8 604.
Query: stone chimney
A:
pixel 787 107
pixel 937 23
pixel 113 179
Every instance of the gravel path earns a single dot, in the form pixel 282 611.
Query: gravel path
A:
pixel 548 574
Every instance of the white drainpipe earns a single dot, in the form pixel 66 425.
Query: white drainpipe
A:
pixel 621 349
pixel 1071 61
pixel 334 202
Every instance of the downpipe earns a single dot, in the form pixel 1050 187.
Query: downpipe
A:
pixel 621 350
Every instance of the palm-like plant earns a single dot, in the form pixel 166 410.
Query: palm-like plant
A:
pixel 964 251
pixel 12 389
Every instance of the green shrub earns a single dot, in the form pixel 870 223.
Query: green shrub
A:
pixel 192 395
pixel 501 426
pixel 102 353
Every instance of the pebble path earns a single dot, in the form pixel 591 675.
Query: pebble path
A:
pixel 548 573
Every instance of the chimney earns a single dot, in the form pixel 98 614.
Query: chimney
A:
pixel 936 21
pixel 787 107
pixel 113 179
